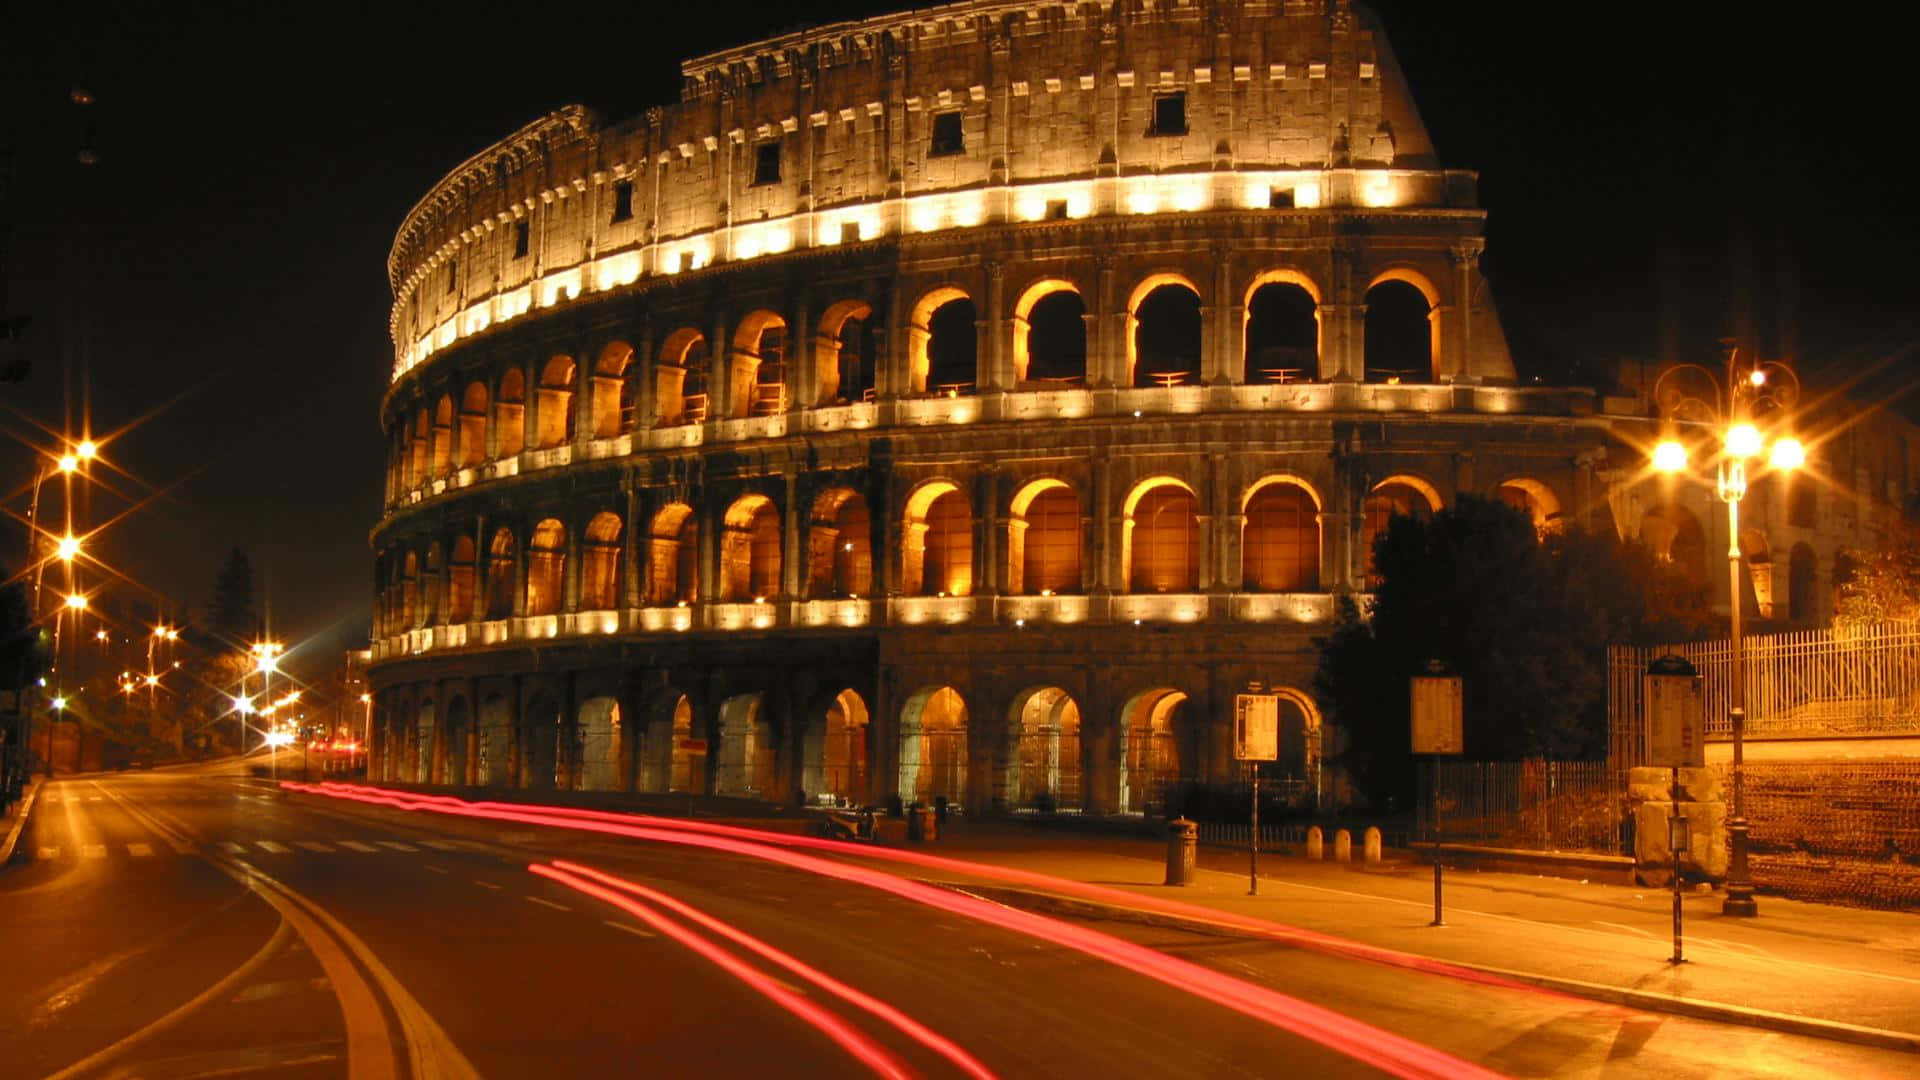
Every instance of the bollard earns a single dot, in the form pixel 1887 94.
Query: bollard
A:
pixel 1342 846
pixel 1316 843
pixel 1370 845
pixel 1183 841
pixel 922 825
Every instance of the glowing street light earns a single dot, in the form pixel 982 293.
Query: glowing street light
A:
pixel 243 705
pixel 68 549
pixel 76 602
pixel 59 703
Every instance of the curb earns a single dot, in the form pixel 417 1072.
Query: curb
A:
pixel 1723 1012
pixel 20 824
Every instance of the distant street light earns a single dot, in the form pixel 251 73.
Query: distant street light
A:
pixel 76 602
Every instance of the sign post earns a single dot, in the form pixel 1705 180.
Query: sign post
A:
pixel 1256 738
pixel 1676 738
pixel 1438 731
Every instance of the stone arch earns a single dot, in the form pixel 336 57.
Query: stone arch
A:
pixel 757 365
pixel 432 583
pixel 495 767
pixel 1402 336
pixel 455 729
pixel 1801 575
pixel 1402 495
pixel 1674 535
pixel 1164 337
pixel 680 379
pixel 840 545
pixel 553 419
pixel 546 568
pixel 1280 542
pixel 1154 749
pixel 933 747
pixel 500 573
pixel 833 749
pixel 461 580
pixel 936 543
pixel 1044 539
pixel 1040 762
pixel 410 591
pixel 598 739
pixel 673 556
pixel 471 446
pixel 541 757
pixel 1160 537
pixel 1533 497
pixel 746 750
pixel 943 343
pixel 442 456
pixel 1050 332
pixel 1280 327
pixel 844 353
pixel 420 449
pixel 1756 552
pixel 750 550
pixel 667 761
pixel 1312 746
pixel 611 414
pixel 425 743
pixel 600 563
pixel 510 411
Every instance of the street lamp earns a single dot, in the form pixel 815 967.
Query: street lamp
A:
pixel 1755 392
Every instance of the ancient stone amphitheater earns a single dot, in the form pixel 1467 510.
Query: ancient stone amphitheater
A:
pixel 964 403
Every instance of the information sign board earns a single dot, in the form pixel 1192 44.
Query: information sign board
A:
pixel 1676 721
pixel 1437 715
pixel 1256 727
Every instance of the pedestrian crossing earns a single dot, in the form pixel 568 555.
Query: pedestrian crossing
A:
pixel 141 850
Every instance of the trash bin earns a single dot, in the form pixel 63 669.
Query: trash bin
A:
pixel 1183 841
pixel 922 826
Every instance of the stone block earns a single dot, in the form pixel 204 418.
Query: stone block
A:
pixel 1705 858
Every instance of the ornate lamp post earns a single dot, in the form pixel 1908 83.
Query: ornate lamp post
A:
pixel 1755 394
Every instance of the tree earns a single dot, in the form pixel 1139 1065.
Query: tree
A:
pixel 1884 585
pixel 1523 618
pixel 230 615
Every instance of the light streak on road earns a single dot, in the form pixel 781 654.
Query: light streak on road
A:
pixel 1356 1039
pixel 855 1042
pixel 915 1030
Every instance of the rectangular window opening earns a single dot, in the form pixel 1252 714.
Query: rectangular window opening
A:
pixel 1056 209
pixel 1280 199
pixel 623 201
pixel 849 232
pixel 1169 114
pixel 453 275
pixel 766 163
pixel 948 135
pixel 522 230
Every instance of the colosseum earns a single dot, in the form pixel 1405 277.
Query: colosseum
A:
pixel 961 404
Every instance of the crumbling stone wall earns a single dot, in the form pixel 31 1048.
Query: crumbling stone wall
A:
pixel 1845 832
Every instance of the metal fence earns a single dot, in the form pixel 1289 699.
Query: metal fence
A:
pixel 1528 805
pixel 1857 681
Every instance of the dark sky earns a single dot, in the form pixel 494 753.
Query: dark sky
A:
pixel 1657 177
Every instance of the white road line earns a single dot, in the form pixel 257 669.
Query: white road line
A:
pixel 94 851
pixel 486 884
pixel 543 902
pixel 93 798
pixel 634 930
pixel 439 845
pixel 140 849
pixel 436 869
pixel 311 846
pixel 355 845
pixel 270 847
pixel 49 853
pixel 1624 926
pixel 396 845
pixel 234 849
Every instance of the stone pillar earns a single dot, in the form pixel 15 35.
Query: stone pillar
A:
pixel 523 540
pixel 1218 334
pixel 995 331
pixel 1219 575
pixel 570 571
pixel 1103 552
pixel 987 575
pixel 633 545
pixel 1459 338
pixel 1106 329
pixel 803 383
pixel 793 528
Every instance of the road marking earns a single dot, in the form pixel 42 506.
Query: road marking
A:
pixel 311 846
pixel 396 845
pixel 439 845
pixel 1624 926
pixel 49 853
pixel 93 798
pixel 234 849
pixel 271 848
pixel 486 884
pixel 436 869
pixel 634 930
pixel 547 903
pixel 355 845
pixel 140 849
pixel 94 851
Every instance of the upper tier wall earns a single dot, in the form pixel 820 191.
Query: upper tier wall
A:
pixel 829 136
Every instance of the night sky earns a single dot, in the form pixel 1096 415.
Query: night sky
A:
pixel 1657 177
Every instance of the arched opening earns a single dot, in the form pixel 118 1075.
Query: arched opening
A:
pixel 1160 541
pixel 432 577
pixel 409 591
pixel 843 353
pixel 1280 544
pixel 1397 496
pixel 496 742
pixel 840 546
pixel 953 348
pixel 1041 761
pixel 746 765
pixel 937 544
pixel 1674 535
pixel 1402 333
pixel 1756 555
pixel 546 567
pixel 673 557
pixel 1800 579
pixel 669 763
pixel 460 582
pixel 680 379
pixel 759 365
pixel 750 551
pixel 610 417
pixel 509 413
pixel 418 452
pixel 933 747
pixel 1533 498
pixel 442 436
pixel 1164 338
pixel 600 563
pixel 500 575
pixel 553 421
pixel 423 745
pixel 1043 540
pixel 540 756
pixel 1152 757
pixel 598 727
pixel 1282 333
pixel 833 753
pixel 1298 765
pixel 1050 334
pixel 472 448
pixel 454 771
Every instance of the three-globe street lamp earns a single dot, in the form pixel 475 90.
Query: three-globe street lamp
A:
pixel 1749 411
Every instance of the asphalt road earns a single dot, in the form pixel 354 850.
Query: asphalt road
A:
pixel 196 924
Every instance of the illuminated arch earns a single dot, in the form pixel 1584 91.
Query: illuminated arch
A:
pixel 1281 276
pixel 442 457
pixel 839 545
pixel 1040 761
pixel 553 419
pixel 1022 319
pixel 920 332
pixel 1280 543
pixel 500 573
pixel 757 366
pixel 1152 757
pixel 600 563
pixel 1418 483
pixel 546 567
pixel 1421 283
pixel 609 380
pixel 1268 356
pixel 1141 291
pixel 680 379
pixel 461 574
pixel 936 542
pixel 838 373
pixel 933 746
pixel 1292 479
pixel 673 574
pixel 1402 493
pixel 1165 556
pixel 1044 538
pixel 471 443
pixel 509 412
pixel 1534 497
pixel 750 550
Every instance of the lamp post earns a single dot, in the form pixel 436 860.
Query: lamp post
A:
pixel 1754 392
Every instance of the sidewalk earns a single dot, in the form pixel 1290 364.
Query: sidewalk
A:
pixel 14 822
pixel 1807 968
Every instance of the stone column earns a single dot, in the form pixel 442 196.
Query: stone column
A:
pixel 1103 552
pixel 522 542
pixel 1458 338
pixel 994 329
pixel 1218 333
pixel 987 570
pixel 792 530
pixel 570 571
pixel 633 545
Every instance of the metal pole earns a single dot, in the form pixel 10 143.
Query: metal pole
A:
pixel 1739 886
pixel 1433 795
pixel 1253 864
pixel 1673 832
